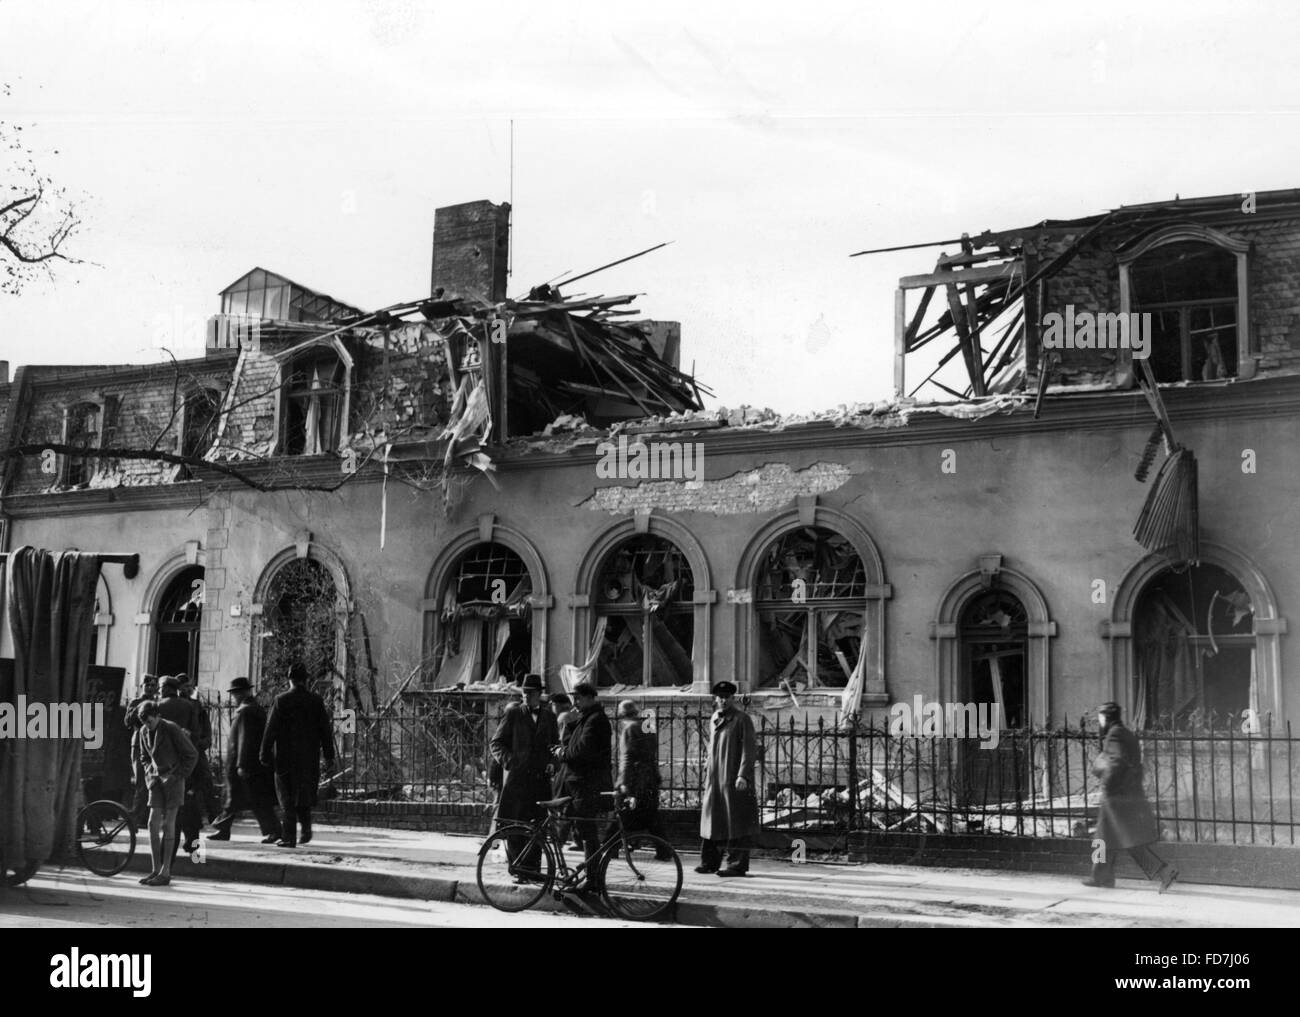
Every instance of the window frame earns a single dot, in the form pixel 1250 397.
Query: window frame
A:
pixel 313 353
pixel 1247 354
pixel 87 462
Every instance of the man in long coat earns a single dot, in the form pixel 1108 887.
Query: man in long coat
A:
pixel 521 746
pixel 297 735
pixel 729 810
pixel 249 784
pixel 1125 821
pixel 587 756
pixel 638 769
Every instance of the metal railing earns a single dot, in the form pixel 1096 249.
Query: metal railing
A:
pixel 816 776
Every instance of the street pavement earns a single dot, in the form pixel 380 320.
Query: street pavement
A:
pixel 74 899
pixel 436 867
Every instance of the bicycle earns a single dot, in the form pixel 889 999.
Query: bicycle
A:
pixel 104 842
pixel 637 875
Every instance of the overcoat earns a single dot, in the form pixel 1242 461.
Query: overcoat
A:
pixel 297 734
pixel 523 748
pixel 587 758
pixel 243 753
pixel 1124 819
pixel 727 814
pixel 638 758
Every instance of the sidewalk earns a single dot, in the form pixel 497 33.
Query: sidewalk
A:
pixel 780 894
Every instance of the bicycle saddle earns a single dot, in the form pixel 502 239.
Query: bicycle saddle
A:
pixel 556 803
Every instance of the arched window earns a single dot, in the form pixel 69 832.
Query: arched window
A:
pixel 177 624
pixel 1190 289
pixel 299 623
pixel 994 634
pixel 1194 643
pixel 486 619
pixel 314 403
pixel 810 599
pixel 644 595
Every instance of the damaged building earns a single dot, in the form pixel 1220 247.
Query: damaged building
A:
pixel 411 498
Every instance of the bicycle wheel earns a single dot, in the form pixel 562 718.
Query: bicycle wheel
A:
pixel 105 838
pixel 641 882
pixel 17 873
pixel 519 884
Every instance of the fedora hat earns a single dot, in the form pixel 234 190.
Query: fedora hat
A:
pixel 532 683
pixel 240 684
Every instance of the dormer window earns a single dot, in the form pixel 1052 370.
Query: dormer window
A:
pixel 1192 281
pixel 81 430
pixel 198 429
pixel 315 403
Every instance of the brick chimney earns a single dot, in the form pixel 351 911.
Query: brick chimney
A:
pixel 471 250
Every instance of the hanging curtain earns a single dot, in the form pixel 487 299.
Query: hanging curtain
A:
pixel 51 618
pixel 460 666
pixel 571 674
pixel 502 637
pixel 851 697
pixel 312 445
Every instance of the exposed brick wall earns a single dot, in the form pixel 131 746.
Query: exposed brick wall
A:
pixel 769 487
pixel 1090 281
pixel 471 250
pixel 140 413
pixel 250 428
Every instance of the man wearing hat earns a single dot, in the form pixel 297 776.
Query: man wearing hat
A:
pixel 638 769
pixel 729 809
pixel 249 784
pixel 298 733
pixel 522 746
pixel 586 757
pixel 1125 821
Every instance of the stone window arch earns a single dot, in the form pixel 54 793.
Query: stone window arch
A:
pixel 302 607
pixel 961 608
pixel 465 572
pixel 1131 673
pixel 844 576
pixel 1193 280
pixel 664 587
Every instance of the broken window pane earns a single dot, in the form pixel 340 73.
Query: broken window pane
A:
pixel 486 631
pixel 300 623
pixel 645 588
pixel 83 433
pixel 811 593
pixel 994 633
pixel 201 413
pixel 1194 644
pixel 1190 290
pixel 313 405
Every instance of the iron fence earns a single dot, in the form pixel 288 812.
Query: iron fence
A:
pixel 816 776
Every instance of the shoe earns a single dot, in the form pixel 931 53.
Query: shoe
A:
pixel 271 839
pixel 305 839
pixel 1093 882
pixel 1166 880
pixel 219 836
pixel 148 879
pixel 285 843
pixel 160 881
pixel 732 872
pixel 706 869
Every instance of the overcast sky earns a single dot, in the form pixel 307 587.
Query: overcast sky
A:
pixel 767 141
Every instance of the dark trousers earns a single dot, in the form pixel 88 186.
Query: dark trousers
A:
pixel 1147 860
pixel 585 811
pixel 642 819
pixel 205 798
pixel 295 816
pixel 736 854
pixel 254 793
